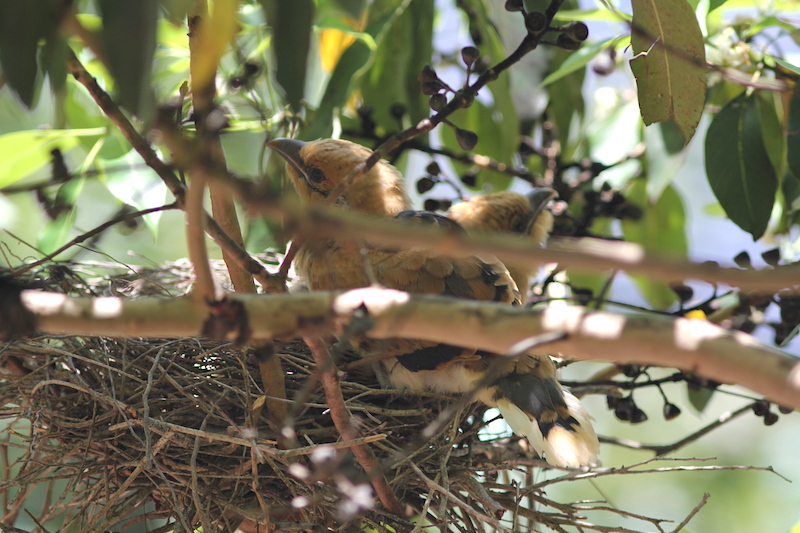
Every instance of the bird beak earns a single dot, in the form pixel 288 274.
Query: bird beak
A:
pixel 289 149
pixel 538 198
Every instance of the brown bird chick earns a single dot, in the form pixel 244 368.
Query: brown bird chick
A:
pixel 509 212
pixel 525 390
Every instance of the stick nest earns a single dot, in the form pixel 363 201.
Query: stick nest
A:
pixel 118 432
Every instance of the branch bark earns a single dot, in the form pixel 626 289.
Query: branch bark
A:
pixel 688 344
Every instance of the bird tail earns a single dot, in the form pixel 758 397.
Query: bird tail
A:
pixel 551 418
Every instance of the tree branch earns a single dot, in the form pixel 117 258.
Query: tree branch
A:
pixel 688 344
pixel 344 424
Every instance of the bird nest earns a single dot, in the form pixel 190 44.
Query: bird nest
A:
pixel 117 432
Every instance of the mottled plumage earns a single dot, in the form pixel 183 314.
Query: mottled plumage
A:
pixel 525 389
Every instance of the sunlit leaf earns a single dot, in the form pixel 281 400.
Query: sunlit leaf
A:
pixel 669 63
pixel 56 232
pixel 788 66
pixel 605 15
pixel 212 39
pixel 714 210
pixel 738 166
pixel 24 152
pixel 661 229
pixel 768 22
pixel 132 182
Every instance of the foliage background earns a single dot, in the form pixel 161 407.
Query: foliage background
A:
pixel 363 57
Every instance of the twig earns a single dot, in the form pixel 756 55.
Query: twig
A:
pixel 631 470
pixel 694 511
pixel 341 419
pixel 456 500
pixel 661 450
pixel 91 233
pixel 161 427
pixel 109 503
pixel 164 171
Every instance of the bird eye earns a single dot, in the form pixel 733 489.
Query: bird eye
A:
pixel 315 174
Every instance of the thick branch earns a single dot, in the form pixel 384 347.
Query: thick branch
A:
pixel 692 345
pixel 581 254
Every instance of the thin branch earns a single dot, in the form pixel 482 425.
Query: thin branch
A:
pixel 164 171
pixel 343 423
pixel 661 450
pixel 694 511
pixel 455 499
pixel 91 233
pixel 460 100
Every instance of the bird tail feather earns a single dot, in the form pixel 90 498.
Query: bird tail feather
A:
pixel 569 442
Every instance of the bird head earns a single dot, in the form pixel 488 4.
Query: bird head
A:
pixel 508 212
pixel 317 167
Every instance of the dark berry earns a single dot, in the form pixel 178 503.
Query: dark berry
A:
pixel 761 408
pixel 466 139
pixel 671 411
pixel 424 185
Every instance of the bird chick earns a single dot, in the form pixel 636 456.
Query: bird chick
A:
pixel 509 212
pixel 523 388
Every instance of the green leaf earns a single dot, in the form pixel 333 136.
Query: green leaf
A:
pixel 132 182
pixel 671 137
pixel 392 79
pixel 291 42
pixel 565 100
pixel 738 167
pixel 774 139
pixel 54 61
pixel 55 232
pixel 588 279
pixel 177 10
pixel 793 132
pixel 714 4
pixel 498 130
pixel 22 24
pixel 129 41
pixel 353 64
pixel 787 65
pixel 768 22
pixel 582 15
pixel 714 210
pixel 28 151
pixel 661 229
pixel 664 156
pixel 579 59
pixel 700 398
pixel 491 142
pixel 669 63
